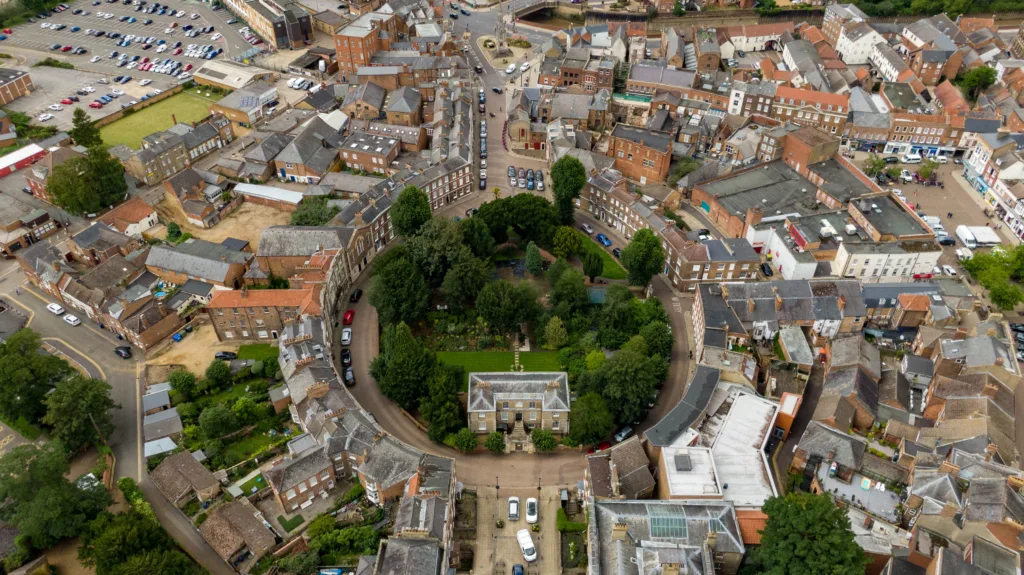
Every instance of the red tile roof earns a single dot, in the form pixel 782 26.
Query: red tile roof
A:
pixel 812 97
pixel 303 299
pixel 751 521
pixel 131 212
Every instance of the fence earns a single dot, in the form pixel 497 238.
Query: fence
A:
pixel 139 106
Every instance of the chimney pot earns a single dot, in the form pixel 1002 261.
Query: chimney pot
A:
pixel 619 531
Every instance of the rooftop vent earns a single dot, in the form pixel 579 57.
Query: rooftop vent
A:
pixel 683 463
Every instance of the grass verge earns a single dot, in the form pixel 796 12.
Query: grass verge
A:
pixel 22 426
pixel 129 130
pixel 612 270
pixel 257 351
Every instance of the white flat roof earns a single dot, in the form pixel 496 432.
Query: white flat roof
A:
pixel 162 445
pixel 738 450
pixel 690 472
pixel 270 192
pixel 19 155
pixel 789 402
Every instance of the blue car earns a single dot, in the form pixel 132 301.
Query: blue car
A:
pixel 529 184
pixel 105 99
pixel 75 28
pixel 603 240
pixel 3 37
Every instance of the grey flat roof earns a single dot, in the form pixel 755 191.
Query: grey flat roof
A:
pixel 685 413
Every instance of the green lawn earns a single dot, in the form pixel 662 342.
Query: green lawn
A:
pixel 245 448
pixel 186 108
pixel 500 360
pixel 289 525
pixel 257 351
pixel 258 482
pixel 232 393
pixel 612 269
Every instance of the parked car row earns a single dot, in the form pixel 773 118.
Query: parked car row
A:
pixel 249 36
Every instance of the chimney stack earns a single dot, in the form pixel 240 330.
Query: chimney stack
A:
pixel 712 540
pixel 750 305
pixel 671 569
pixel 842 302
pixel 619 531
pixel 614 479
pixel 245 291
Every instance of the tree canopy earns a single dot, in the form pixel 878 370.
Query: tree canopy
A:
pixel 78 410
pixel 977 80
pixel 567 242
pixel 436 248
pixel 84 131
pixel 568 176
pixel 27 375
pixel 464 281
pixel 806 534
pixel 477 237
pixel 410 211
pixel 590 420
pixel 83 185
pixel 440 405
pixel 314 212
pixel 534 261
pixel 505 305
pixel 399 291
pixel 403 366
pixel 644 257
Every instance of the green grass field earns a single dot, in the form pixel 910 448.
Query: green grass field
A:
pixel 289 525
pixel 612 269
pixel 258 482
pixel 185 107
pixel 499 360
pixel 257 351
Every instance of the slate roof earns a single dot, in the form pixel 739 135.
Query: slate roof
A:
pixel 661 141
pixel 100 236
pixel 161 424
pixel 390 462
pixel 401 556
pixel 688 410
pixel 265 151
pixel 231 526
pixel 198 258
pixel 978 351
pixel 179 473
pixel 993 500
pixel 822 440
pixel 486 390
pixel 290 472
pixel 154 400
pixel 285 241
pixel 368 93
pixel 405 100
pixel 424 514
pixel 631 465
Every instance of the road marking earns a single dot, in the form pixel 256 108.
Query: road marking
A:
pixel 103 374
pixel 138 413
pixel 31 314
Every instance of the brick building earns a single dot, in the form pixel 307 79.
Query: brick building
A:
pixel 199 260
pixel 370 152
pixel 500 401
pixel 825 111
pixel 641 155
pixel 357 43
pixel 41 170
pixel 14 84
pixel 258 314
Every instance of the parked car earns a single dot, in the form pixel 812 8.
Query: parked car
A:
pixel 350 377
pixel 346 336
pixel 586 228
pixel 532 510
pixel 766 269
pixel 603 240
pixel 225 355
pixel 617 253
pixel 358 293
pixel 623 434
pixel 55 309
pixel 123 351
pixel 526 545
pixel 513 508
pixel 949 270
pixel 346 357
pixel 348 317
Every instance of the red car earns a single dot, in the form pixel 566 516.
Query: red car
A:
pixel 7 31
pixel 66 101
pixel 145 60
pixel 176 52
pixel 96 104
pixel 66 49
pixel 348 317
pixel 188 67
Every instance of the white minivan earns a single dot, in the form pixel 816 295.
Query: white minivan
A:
pixel 526 545
pixel 911 159
pixel 940 159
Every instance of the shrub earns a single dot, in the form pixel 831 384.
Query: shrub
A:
pixel 566 526
pixel 256 368
pixel 354 493
pixel 200 518
pixel 543 440
pixel 495 442
pixel 465 440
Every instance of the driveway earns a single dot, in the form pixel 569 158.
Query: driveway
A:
pixel 810 402
pixel 500 548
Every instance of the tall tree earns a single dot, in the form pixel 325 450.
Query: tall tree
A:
pixel 440 405
pixel 643 258
pixel 477 236
pixel 183 381
pixel 570 294
pixel 218 373
pixel 590 420
pixel 464 281
pixel 78 410
pixel 977 80
pixel 593 265
pixel 616 322
pixel 217 421
pixel 543 440
pixel 504 305
pixel 568 176
pixel 807 534
pixel 409 363
pixel 555 336
pixel 555 271
pixel 84 131
pixel 632 381
pixel 39 500
pixel 399 292
pixel 436 248
pixel 534 261
pixel 111 539
pixel 410 211
pixel 165 562
pixel 87 184
pixel 27 375
pixel 874 165
pixel 659 339
pixel 567 242
pixel 496 215
pixel 532 217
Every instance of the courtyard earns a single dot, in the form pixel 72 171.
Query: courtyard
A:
pixel 244 223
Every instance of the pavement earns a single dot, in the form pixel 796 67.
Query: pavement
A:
pixel 812 393
pixel 499 547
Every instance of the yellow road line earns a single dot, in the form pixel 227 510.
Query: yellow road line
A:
pixel 103 374
pixel 138 410
pixel 45 300
pixel 31 314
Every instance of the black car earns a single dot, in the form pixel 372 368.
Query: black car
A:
pixel 497 89
pixel 478 69
pixel 1017 327
pixel 483 184
pixel 471 212
pixel 358 293
pixel 464 11
pixel 617 253
pixel 767 270
pixel 225 355
pixel 26 190
pixel 892 160
pixel 350 378
pixel 73 98
pixel 346 357
pixel 453 16
pixel 947 241
pixel 123 351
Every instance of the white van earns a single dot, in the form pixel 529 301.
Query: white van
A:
pixel 940 159
pixel 910 159
pixel 526 545
pixel 964 254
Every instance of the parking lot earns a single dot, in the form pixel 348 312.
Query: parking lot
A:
pixel 498 549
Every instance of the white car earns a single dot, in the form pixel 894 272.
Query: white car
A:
pixel 55 107
pixel 94 59
pixel 45 117
pixel 216 37
pixel 587 228
pixel 108 16
pixel 511 69
pixel 524 67
pixel 483 174
pixel 117 92
pixel 949 270
pixel 132 65
pixel 180 14
pixel 71 320
pixel 512 182
pixel 526 545
pixel 88 89
pixel 483 164
pixel 44 25
pixel 513 508
pixel 145 82
pixel 157 91
pixel 161 49
pixel 532 510
pixel 194 16
pixel 168 30
pixel 55 309
pixel 346 336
